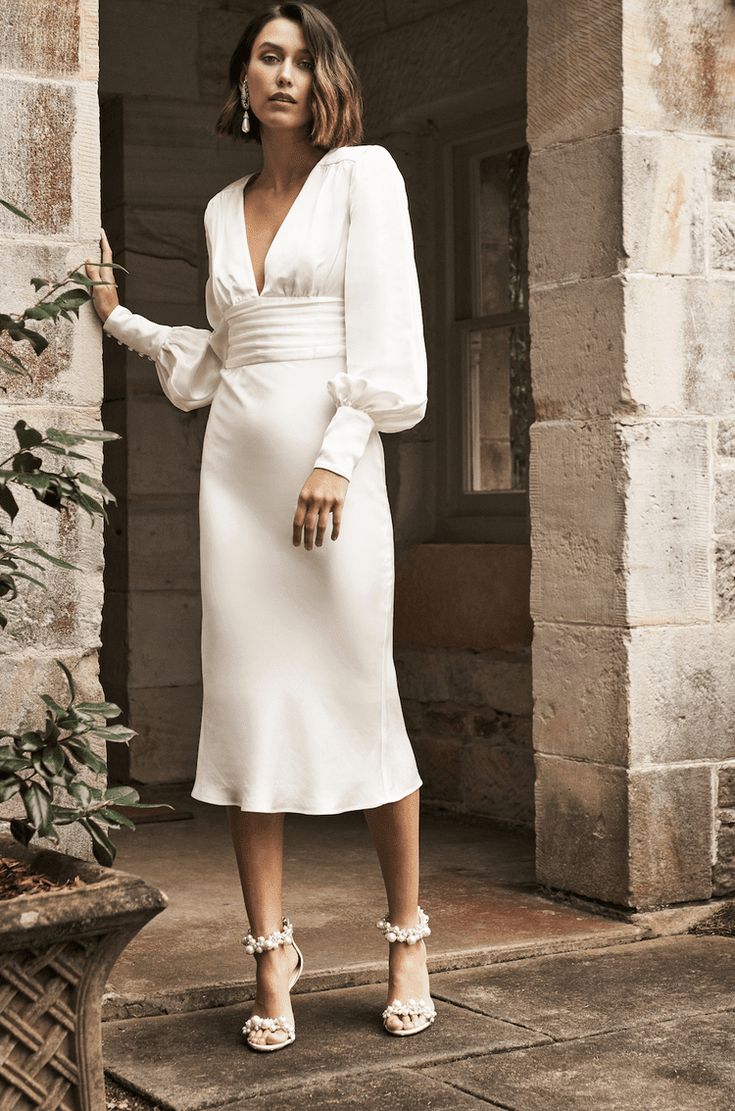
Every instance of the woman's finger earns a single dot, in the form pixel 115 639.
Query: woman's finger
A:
pixel 322 526
pixel 336 519
pixel 312 516
pixel 298 520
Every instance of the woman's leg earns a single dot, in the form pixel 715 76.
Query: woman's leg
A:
pixel 394 828
pixel 258 842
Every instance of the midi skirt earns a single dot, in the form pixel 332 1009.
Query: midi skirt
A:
pixel 301 706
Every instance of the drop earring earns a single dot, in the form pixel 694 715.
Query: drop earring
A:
pixel 245 101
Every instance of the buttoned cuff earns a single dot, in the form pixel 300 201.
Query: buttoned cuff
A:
pixel 136 332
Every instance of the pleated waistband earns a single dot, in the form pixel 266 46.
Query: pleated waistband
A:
pixel 269 329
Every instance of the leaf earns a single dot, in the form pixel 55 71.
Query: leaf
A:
pixel 39 283
pixel 102 847
pixel 37 805
pixel 53 705
pixel 8 504
pixel 11 369
pixel 17 211
pixel 32 546
pixel 72 298
pixel 91 505
pixel 122 795
pixel 84 434
pixel 64 815
pixel 38 342
pixel 51 730
pixel 57 449
pixel 47 310
pixel 85 755
pixel 31 741
pixel 114 816
pixel 82 791
pixel 21 830
pixel 30 579
pixel 9 788
pixel 106 709
pixel 53 758
pixel 97 485
pixel 113 732
pixel 9 762
pixel 69 679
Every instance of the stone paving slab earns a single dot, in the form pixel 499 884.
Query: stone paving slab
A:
pixel 400 1089
pixel 679 1065
pixel 198 1059
pixel 572 995
pixel 478 888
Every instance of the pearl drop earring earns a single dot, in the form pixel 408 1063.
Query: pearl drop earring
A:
pixel 245 101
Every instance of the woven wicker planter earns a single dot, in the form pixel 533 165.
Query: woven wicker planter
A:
pixel 57 949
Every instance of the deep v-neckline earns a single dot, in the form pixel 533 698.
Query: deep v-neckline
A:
pixel 244 223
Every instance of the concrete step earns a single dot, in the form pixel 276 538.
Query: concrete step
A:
pixel 632 1025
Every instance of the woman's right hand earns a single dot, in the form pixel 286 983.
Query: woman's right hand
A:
pixel 104 297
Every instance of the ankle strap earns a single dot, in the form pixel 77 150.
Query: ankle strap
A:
pixel 271 941
pixel 409 934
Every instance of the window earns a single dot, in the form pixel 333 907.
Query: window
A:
pixel 488 389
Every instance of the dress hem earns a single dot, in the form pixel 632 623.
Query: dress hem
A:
pixel 294 810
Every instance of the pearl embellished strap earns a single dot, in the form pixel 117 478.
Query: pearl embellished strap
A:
pixel 409 934
pixel 420 1006
pixel 271 941
pixel 256 1022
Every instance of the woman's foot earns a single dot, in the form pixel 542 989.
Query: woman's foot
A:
pixel 274 968
pixel 408 978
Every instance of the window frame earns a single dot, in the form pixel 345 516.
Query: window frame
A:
pixel 486 516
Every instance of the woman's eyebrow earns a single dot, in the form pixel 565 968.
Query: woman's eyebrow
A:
pixel 301 50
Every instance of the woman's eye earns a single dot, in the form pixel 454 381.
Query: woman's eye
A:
pixel 265 58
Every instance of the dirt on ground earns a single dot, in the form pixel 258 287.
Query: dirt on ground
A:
pixel 118 1098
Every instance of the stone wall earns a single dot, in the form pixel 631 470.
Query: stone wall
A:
pixel 427 69
pixel 631 110
pixel 49 153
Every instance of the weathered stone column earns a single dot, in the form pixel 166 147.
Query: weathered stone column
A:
pixel 632 235
pixel 49 153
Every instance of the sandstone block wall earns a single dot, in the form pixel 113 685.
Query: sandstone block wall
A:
pixel 631 127
pixel 49 153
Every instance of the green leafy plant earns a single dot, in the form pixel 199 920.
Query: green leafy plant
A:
pixel 58 489
pixel 36 762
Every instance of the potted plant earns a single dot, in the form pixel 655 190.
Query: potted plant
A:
pixel 64 919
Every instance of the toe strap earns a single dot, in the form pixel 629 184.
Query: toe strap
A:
pixel 421 1006
pixel 258 1022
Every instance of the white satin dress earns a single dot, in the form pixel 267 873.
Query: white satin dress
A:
pixel 301 710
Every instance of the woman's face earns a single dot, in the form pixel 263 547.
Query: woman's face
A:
pixel 280 63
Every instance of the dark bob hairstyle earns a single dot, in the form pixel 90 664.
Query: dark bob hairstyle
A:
pixel 336 99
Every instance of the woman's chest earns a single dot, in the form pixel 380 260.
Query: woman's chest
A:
pixel 304 256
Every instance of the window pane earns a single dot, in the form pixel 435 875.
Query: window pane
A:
pixel 502 231
pixel 499 413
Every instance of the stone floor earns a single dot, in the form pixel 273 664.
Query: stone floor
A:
pixel 540 1005
pixel 477 886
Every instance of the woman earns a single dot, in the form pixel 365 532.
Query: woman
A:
pixel 317 346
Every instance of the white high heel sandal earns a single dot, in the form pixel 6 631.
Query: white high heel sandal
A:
pixel 280 1022
pixel 423 1006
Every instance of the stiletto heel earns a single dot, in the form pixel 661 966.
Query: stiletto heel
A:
pixel 422 1006
pixel 280 1022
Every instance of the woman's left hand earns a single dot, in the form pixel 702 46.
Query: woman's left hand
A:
pixel 323 493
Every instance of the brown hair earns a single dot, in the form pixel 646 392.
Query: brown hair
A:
pixel 336 99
